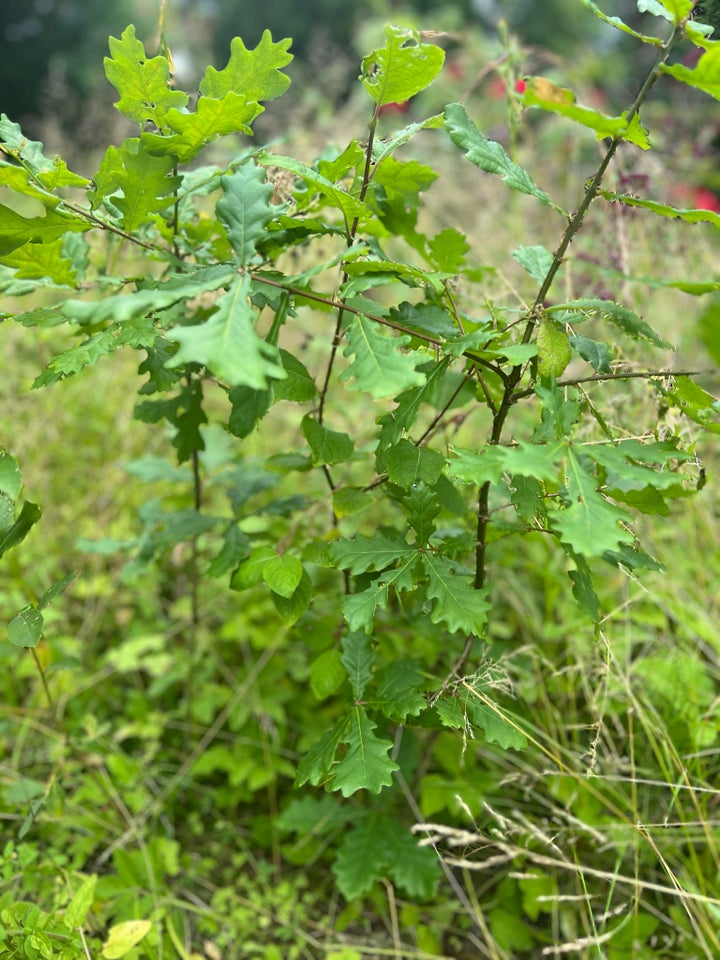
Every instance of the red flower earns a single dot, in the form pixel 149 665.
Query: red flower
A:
pixel 394 107
pixel 520 86
pixel 704 199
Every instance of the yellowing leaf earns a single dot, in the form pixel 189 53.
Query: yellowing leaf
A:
pixel 553 348
pixel 541 92
pixel 123 937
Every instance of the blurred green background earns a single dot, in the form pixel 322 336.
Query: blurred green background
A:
pixel 51 48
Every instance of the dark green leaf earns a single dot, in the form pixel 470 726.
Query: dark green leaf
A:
pixel 366 764
pixel 29 516
pixel 598 355
pixel 328 446
pixel 457 604
pixel 370 553
pixel 398 691
pixel 490 155
pixel 358 658
pixel 245 209
pixel 314 767
pixel 249 406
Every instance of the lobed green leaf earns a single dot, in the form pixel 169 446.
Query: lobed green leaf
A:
pixel 457 603
pixel 402 68
pixel 378 366
pixel 143 84
pixel 254 74
pixel 227 343
pixel 366 765
pixel 245 209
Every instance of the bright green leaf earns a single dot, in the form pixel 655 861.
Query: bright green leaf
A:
pixel 664 209
pixel 135 332
pixel 675 11
pixel 535 260
pixel 541 92
pixel 15 230
pixel 143 84
pixel 283 574
pixel 402 68
pixel 79 907
pixel 123 937
pixel 554 350
pixel 448 250
pixel 590 523
pixel 192 131
pixel 255 74
pixel 10 476
pixel 147 185
pixel 34 261
pixel 51 174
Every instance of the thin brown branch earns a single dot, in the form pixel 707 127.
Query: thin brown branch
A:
pixel 630 375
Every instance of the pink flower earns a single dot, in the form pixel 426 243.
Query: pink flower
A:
pixel 520 86
pixel 496 89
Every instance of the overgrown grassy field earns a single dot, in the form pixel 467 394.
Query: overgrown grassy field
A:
pixel 152 737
